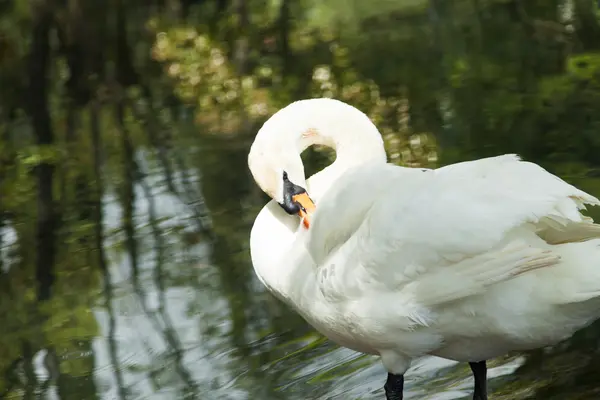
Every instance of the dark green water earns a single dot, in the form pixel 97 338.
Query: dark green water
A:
pixel 197 324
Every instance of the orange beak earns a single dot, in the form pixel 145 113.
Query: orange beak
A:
pixel 307 207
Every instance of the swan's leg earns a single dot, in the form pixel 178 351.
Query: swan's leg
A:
pixel 394 387
pixel 480 374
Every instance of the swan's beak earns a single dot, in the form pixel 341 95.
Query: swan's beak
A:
pixel 307 207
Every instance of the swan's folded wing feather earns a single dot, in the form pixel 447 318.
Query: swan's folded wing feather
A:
pixel 473 275
pixel 383 227
pixel 467 208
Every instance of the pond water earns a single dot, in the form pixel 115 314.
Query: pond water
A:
pixel 196 323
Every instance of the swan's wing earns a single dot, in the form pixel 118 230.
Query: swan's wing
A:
pixel 385 228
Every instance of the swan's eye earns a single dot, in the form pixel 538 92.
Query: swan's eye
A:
pixel 290 208
pixel 296 200
pixel 289 191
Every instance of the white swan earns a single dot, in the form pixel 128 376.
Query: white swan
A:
pixel 466 262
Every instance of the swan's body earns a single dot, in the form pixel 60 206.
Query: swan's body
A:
pixel 466 262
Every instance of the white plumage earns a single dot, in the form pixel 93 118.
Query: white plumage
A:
pixel 466 262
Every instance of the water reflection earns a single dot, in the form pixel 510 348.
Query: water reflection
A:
pixel 194 322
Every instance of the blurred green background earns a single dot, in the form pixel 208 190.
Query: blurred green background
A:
pixel 126 201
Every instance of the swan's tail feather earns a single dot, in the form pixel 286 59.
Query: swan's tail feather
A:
pixel 558 230
pixel 578 279
pixel 580 297
pixel 473 275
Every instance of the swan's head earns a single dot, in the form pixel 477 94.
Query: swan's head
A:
pixel 274 157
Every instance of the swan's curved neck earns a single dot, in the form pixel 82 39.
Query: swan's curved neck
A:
pixel 283 137
pixel 277 246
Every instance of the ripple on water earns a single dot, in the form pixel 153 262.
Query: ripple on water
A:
pixel 316 368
